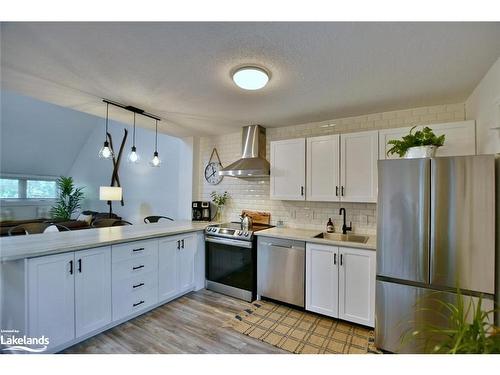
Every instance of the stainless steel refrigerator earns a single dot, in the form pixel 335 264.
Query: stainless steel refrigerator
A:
pixel 435 231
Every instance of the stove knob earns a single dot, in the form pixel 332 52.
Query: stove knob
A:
pixel 245 234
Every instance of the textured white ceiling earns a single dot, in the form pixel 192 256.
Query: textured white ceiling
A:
pixel 181 71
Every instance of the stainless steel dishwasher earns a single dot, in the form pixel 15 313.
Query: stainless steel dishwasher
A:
pixel 281 269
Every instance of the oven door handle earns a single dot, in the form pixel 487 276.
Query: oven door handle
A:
pixel 230 242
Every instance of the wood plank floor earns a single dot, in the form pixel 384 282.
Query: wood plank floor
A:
pixel 190 324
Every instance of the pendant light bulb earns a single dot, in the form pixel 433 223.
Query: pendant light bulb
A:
pixel 156 161
pixel 133 157
pixel 105 152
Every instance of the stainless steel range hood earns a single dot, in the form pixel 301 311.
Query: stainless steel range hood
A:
pixel 253 161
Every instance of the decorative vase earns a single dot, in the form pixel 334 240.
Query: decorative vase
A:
pixel 420 152
pixel 218 213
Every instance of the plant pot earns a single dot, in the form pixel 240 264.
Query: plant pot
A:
pixel 420 152
pixel 219 213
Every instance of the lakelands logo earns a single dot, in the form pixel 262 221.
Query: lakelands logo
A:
pixel 10 342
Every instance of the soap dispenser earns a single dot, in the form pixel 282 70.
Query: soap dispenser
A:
pixel 329 226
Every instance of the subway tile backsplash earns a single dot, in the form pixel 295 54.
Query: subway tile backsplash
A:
pixel 254 193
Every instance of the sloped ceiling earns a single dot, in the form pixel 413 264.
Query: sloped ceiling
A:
pixel 39 138
pixel 181 71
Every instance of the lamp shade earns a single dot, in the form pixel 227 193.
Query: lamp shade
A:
pixel 110 193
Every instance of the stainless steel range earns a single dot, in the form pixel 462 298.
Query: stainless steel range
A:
pixel 231 259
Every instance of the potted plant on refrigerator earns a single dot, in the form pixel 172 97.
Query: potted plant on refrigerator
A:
pixel 421 144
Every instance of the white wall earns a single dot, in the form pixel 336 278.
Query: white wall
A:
pixel 483 105
pixel 146 190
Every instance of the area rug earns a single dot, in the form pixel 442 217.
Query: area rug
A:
pixel 303 332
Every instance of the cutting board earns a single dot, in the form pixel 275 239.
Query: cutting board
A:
pixel 258 217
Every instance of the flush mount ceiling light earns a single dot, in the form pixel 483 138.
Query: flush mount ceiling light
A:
pixel 250 78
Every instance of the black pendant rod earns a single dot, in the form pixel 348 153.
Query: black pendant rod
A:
pixel 132 109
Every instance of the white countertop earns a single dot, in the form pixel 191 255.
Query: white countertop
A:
pixel 307 235
pixel 34 245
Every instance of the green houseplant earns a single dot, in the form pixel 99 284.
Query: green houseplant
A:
pixel 425 139
pixel 69 199
pixel 219 200
pixel 468 329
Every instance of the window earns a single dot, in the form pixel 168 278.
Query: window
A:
pixel 9 188
pixel 27 188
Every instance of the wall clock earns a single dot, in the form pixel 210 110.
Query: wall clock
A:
pixel 212 169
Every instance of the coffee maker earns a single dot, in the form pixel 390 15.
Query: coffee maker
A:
pixel 201 211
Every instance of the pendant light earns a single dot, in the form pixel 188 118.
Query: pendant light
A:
pixel 105 152
pixel 155 162
pixel 133 157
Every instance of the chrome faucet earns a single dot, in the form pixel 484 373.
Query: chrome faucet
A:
pixel 345 228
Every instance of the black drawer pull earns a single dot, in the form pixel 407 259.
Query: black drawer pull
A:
pixel 138 303
pixel 139 249
pixel 138 285
pixel 138 267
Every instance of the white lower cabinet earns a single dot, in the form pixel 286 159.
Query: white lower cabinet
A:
pixel 322 279
pixel 340 282
pixel 176 263
pixel 92 290
pixel 51 298
pixel 357 285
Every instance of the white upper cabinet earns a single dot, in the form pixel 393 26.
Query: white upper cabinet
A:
pixel 92 289
pixel 460 138
pixel 323 168
pixel 358 166
pixel 288 164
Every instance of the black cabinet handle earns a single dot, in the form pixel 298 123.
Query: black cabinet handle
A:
pixel 71 267
pixel 139 249
pixel 302 190
pixel 178 244
pixel 183 244
pixel 138 303
pixel 342 190
pixel 80 265
pixel 138 267
pixel 138 285
pixel 341 258
pixel 335 258
pixel 336 191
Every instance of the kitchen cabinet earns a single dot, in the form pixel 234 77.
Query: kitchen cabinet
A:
pixel 51 298
pixel 358 166
pixel 176 260
pixel 357 285
pixel 340 282
pixel 322 279
pixel 288 165
pixel 460 138
pixel 92 290
pixel 323 174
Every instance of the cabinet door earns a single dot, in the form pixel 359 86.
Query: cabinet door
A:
pixel 168 250
pixel 288 169
pixel 186 257
pixel 92 289
pixel 322 279
pixel 323 168
pixel 358 171
pixel 51 299
pixel 385 136
pixel 357 286
pixel 460 138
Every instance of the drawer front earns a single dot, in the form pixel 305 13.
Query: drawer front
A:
pixel 134 250
pixel 134 302
pixel 134 267
pixel 134 285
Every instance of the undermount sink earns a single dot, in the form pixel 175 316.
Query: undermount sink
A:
pixel 343 237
